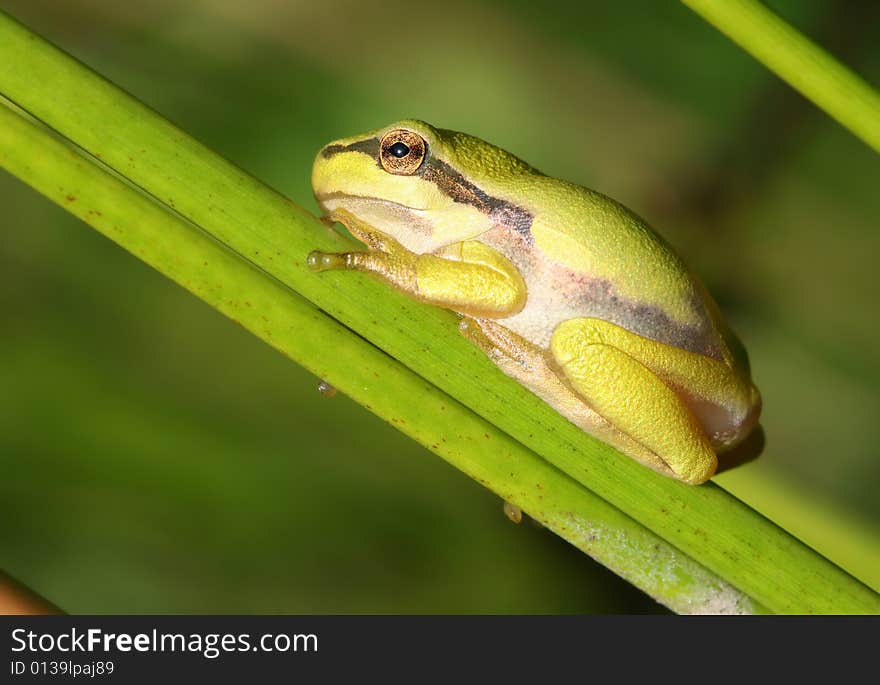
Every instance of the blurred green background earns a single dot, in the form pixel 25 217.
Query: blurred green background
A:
pixel 157 458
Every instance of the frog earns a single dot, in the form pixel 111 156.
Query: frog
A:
pixel 567 291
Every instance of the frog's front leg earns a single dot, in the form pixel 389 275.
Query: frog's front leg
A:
pixel 468 277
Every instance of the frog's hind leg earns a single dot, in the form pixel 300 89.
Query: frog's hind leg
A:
pixel 529 365
pixel 616 372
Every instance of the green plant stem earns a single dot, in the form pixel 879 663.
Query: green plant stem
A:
pixel 706 523
pixel 286 321
pixel 796 59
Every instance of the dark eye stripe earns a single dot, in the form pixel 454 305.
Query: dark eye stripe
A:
pixel 452 184
pixel 369 146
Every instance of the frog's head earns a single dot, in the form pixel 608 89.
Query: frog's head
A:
pixel 422 186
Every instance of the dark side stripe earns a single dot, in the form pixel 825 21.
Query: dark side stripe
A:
pixel 452 184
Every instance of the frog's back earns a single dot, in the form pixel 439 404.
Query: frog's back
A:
pixel 586 255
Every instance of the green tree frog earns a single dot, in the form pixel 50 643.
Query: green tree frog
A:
pixel 565 290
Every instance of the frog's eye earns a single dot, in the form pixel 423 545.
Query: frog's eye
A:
pixel 402 152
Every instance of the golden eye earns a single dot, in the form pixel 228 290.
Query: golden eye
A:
pixel 402 152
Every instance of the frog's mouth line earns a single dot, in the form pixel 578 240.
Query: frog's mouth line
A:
pixel 339 195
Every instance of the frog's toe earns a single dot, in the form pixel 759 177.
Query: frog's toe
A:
pixel 512 512
pixel 326 261
pixel 500 343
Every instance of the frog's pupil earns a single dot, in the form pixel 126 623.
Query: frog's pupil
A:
pixel 399 150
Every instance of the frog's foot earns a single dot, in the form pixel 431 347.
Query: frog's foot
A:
pixel 616 373
pixel 398 269
pixel 511 352
pixel 531 366
pixel 512 512
pixel 326 261
pixel 383 254
pixel 326 389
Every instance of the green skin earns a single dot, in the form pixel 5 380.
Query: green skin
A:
pixel 566 290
